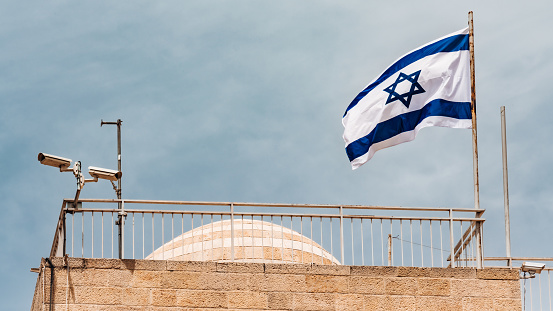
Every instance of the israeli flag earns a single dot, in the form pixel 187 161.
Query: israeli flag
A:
pixel 429 86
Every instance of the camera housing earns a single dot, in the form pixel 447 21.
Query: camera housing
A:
pixel 532 267
pixel 104 173
pixel 55 161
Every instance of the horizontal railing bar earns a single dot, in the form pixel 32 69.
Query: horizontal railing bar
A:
pixel 519 258
pixel 372 207
pixel 277 214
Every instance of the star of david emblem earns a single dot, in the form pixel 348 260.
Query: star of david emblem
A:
pixel 405 98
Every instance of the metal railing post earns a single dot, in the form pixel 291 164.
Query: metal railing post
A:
pixel 121 220
pixel 452 256
pixel 479 253
pixel 389 249
pixel 342 234
pixel 231 232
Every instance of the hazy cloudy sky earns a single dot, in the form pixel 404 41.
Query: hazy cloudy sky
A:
pixel 242 101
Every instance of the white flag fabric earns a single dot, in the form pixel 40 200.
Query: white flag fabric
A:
pixel 429 86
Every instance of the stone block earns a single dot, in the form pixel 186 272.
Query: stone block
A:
pixel 477 303
pixel 60 294
pixel 204 299
pixel 330 269
pixel 287 268
pixel 497 274
pixel 415 272
pixel 104 263
pixel 433 287
pixel 98 277
pixel 374 302
pixel 135 296
pixel 374 271
pixel 247 300
pixel 485 288
pixel 224 281
pixel 152 265
pixel 401 286
pixel 349 302
pixel 97 295
pixel 313 301
pixel 150 279
pixel 59 262
pixel 367 285
pixel 403 303
pixel 240 267
pixel 277 282
pixel 279 301
pixel 438 303
pixel 198 266
pixel 458 273
pixel 181 280
pixel 317 283
pixel 507 305
pixel 164 297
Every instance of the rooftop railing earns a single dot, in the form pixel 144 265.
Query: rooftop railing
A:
pixel 292 233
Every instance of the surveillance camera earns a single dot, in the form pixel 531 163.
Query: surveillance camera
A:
pixel 55 161
pixel 532 267
pixel 104 173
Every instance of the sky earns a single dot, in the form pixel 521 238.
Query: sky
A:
pixel 242 101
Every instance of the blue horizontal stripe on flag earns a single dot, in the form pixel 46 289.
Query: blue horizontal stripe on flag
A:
pixel 407 122
pixel 450 44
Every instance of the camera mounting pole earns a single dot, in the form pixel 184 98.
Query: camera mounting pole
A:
pixel 120 219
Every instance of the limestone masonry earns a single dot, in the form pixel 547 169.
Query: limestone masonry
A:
pixel 156 285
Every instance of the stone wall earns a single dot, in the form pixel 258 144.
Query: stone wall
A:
pixel 112 284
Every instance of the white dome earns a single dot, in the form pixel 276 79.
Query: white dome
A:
pixel 254 241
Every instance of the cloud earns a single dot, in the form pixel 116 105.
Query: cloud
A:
pixel 242 100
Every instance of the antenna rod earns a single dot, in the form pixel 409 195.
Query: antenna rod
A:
pixel 120 219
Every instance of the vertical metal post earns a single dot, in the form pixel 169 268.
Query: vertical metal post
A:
pixel 474 138
pixel 272 239
pixel 321 227
pixel 92 243
pixel 312 240
pixel 389 249
pixel 412 253
pixel 121 217
pixel 441 247
pixel 231 232
pixel 451 245
pixel 422 250
pixel 342 234
pixel 401 239
pixel 506 187
pixel 352 244
pixel 64 215
pixel 431 247
pixel 362 248
pixel 372 244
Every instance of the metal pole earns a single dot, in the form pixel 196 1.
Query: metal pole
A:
pixel 121 206
pixel 121 217
pixel 231 233
pixel 474 138
pixel 506 187
pixel 342 234
pixel 389 249
pixel 451 245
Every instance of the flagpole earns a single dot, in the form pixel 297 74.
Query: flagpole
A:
pixel 474 141
pixel 506 188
